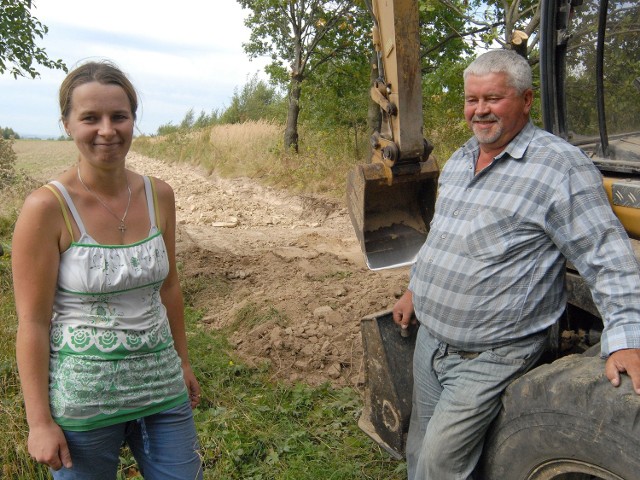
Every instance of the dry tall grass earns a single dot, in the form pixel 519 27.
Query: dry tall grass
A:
pixel 237 148
pixel 20 172
pixel 255 149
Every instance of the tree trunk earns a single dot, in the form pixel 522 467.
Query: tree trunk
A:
pixel 291 130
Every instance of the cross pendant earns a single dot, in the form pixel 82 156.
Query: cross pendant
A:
pixel 122 227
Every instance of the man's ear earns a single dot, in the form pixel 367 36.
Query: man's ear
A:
pixel 528 100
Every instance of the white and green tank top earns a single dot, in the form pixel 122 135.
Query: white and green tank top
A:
pixel 111 351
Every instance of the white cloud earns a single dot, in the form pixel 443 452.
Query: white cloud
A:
pixel 179 55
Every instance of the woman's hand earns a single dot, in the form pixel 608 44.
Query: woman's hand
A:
pixel 193 387
pixel 48 445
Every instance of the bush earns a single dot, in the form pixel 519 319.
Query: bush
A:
pixel 8 133
pixel 7 162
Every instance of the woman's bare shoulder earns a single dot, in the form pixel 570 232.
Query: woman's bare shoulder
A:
pixel 42 200
pixel 163 189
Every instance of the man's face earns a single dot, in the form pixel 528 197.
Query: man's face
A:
pixel 494 110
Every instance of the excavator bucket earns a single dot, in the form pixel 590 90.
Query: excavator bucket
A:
pixel 388 382
pixel 391 218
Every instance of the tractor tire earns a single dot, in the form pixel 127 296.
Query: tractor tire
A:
pixel 565 421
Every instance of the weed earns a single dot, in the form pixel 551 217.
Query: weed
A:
pixel 338 275
pixel 193 286
pixel 251 315
pixel 7 162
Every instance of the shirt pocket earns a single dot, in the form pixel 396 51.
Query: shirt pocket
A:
pixel 490 235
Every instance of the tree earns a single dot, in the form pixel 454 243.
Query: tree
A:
pixel 338 98
pixel 255 101
pixel 495 21
pixel 300 36
pixel 18 31
pixel 9 133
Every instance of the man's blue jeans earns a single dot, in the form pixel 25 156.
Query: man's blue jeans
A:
pixel 456 396
pixel 165 445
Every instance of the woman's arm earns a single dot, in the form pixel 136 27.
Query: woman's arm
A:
pixel 171 293
pixel 35 261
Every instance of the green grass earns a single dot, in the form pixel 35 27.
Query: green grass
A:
pixel 13 455
pixel 253 428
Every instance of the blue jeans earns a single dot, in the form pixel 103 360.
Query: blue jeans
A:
pixel 456 396
pixel 165 445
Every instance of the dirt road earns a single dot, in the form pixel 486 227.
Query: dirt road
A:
pixel 292 260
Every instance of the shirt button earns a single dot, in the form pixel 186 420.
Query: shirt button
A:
pixel 444 235
pixel 456 213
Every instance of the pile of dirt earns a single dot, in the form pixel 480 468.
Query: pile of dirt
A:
pixel 291 260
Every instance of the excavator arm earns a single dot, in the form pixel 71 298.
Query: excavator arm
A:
pixel 390 200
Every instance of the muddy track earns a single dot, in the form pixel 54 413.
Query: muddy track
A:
pixel 292 259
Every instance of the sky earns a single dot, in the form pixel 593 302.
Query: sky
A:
pixel 179 55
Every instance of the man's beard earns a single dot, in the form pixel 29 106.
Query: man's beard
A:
pixel 487 136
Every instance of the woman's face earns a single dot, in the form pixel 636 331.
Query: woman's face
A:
pixel 101 123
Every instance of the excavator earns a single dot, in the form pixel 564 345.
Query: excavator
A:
pixel 562 420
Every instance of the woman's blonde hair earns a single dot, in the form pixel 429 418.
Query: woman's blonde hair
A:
pixel 104 72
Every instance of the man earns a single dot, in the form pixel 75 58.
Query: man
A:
pixel 513 202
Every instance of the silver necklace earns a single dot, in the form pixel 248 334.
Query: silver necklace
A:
pixel 122 226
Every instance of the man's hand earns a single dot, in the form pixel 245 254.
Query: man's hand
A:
pixel 624 361
pixel 403 310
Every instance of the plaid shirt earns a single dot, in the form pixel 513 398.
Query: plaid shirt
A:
pixel 492 268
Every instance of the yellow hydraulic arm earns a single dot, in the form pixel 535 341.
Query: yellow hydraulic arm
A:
pixel 391 199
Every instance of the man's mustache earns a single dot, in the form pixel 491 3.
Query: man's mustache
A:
pixel 490 117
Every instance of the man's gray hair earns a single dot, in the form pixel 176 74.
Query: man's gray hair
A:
pixel 503 61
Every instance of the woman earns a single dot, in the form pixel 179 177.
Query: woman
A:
pixel 101 344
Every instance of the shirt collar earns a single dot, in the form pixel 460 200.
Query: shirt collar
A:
pixel 518 146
